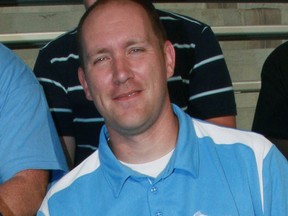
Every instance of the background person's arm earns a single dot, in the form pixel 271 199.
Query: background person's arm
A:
pixel 22 195
pixel 69 147
pixel 227 121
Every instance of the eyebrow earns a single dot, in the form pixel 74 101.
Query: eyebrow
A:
pixel 128 43
pixel 136 41
pixel 97 51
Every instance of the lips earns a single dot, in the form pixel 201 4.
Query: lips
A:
pixel 127 96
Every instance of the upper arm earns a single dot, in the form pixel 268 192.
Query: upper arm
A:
pixel 211 93
pixel 69 147
pixel 227 121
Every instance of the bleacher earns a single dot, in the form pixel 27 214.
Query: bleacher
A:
pixel 247 32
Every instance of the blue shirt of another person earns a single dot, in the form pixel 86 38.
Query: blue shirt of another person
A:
pixel 28 139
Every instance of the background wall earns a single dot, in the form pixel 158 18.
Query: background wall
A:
pixel 244 58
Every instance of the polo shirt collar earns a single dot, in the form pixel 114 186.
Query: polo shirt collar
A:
pixel 185 156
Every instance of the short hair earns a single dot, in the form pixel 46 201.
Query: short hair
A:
pixel 147 5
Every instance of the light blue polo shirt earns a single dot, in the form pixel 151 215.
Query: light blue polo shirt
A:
pixel 213 171
pixel 28 138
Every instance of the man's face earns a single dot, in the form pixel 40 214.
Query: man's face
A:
pixel 126 68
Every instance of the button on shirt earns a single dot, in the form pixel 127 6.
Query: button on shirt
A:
pixel 213 171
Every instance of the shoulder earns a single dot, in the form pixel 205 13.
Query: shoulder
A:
pixel 276 63
pixel 14 70
pixel 65 43
pixel 225 136
pixel 170 17
pixel 279 54
pixel 88 166
pixel 61 187
pixel 181 28
pixel 8 59
pixel 281 50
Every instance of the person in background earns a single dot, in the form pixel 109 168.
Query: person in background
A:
pixel 30 151
pixel 153 158
pixel 271 115
pixel 201 84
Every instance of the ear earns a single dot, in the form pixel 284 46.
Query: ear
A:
pixel 82 79
pixel 169 53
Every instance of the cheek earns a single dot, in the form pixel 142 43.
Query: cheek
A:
pixel 98 84
pixel 95 87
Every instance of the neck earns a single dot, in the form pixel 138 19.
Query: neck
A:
pixel 153 143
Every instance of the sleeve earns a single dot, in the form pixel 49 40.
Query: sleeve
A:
pixel 210 89
pixel 275 179
pixel 271 115
pixel 49 75
pixel 28 136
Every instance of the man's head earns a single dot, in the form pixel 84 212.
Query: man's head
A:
pixel 146 4
pixel 126 61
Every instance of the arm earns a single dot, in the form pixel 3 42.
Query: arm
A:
pixel 29 144
pixel 23 194
pixel 227 121
pixel 69 147
pixel 211 83
pixel 271 117
pixel 209 94
pixel 48 75
pixel 275 178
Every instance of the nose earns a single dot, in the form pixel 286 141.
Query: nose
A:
pixel 122 71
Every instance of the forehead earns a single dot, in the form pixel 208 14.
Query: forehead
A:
pixel 117 11
pixel 115 20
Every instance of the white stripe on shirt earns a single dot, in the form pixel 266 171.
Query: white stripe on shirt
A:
pixel 69 89
pixel 178 15
pixel 86 120
pixel 178 78
pixel 216 91
pixel 88 146
pixel 62 59
pixel 87 166
pixel 260 145
pixel 185 46
pixel 75 88
pixel 209 60
pixel 62 110
pixel 46 80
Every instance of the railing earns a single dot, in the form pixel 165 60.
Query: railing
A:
pixel 222 32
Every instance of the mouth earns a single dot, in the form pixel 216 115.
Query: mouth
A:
pixel 126 96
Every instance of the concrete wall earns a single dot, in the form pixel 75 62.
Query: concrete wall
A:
pixel 244 58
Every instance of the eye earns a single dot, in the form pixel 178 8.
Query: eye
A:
pixel 136 50
pixel 99 60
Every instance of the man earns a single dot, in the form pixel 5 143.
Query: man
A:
pixel 29 145
pixel 153 159
pixel 201 83
pixel 271 115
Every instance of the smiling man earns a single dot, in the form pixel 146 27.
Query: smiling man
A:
pixel 153 159
pixel 201 84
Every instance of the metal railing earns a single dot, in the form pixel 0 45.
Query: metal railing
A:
pixel 253 32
